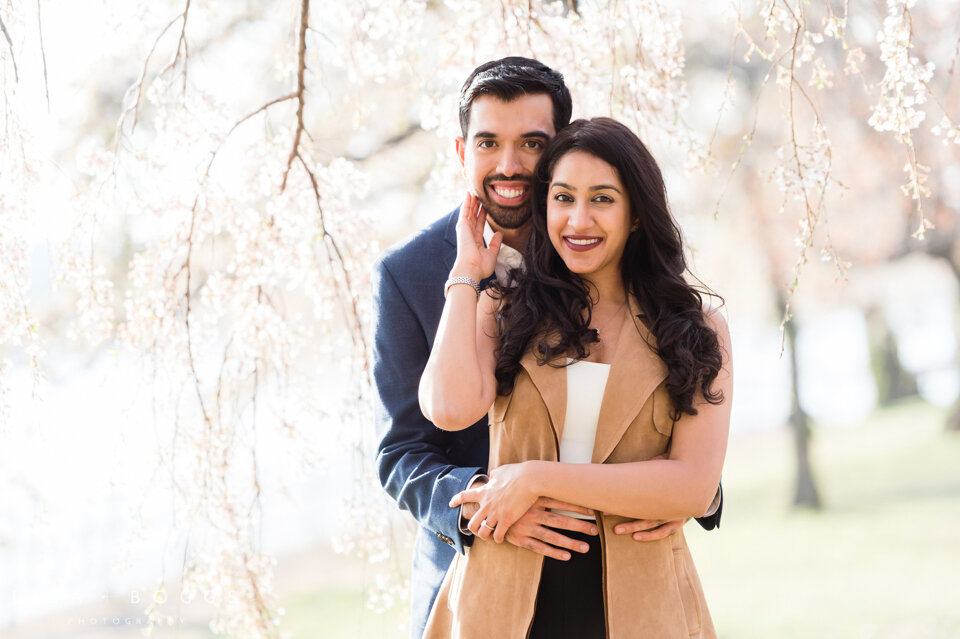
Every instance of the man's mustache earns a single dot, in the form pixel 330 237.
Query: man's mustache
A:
pixel 503 178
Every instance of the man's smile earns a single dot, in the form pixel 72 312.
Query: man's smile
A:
pixel 510 193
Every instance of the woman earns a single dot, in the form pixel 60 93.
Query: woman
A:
pixel 598 361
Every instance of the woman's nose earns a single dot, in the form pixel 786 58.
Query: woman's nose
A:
pixel 580 217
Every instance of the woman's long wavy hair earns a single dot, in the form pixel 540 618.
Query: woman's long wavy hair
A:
pixel 549 306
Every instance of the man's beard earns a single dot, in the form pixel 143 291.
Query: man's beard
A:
pixel 506 217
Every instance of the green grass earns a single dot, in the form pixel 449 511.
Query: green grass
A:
pixel 878 562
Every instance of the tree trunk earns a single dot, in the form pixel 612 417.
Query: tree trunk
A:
pixel 805 493
pixel 893 380
pixel 953 420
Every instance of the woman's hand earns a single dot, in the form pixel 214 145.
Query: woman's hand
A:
pixel 473 258
pixel 502 500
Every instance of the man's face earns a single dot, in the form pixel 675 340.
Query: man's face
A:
pixel 504 142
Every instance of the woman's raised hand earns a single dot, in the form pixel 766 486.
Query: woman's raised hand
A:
pixel 473 258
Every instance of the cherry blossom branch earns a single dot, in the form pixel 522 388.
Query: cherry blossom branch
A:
pixel 728 82
pixel 43 57
pixel 748 137
pixel 301 86
pixel 181 45
pixel 134 107
pixel 357 334
pixel 138 85
pixel 13 58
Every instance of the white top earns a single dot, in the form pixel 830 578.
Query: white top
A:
pixel 586 382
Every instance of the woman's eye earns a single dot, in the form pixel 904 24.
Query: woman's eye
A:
pixel 562 197
pixel 603 199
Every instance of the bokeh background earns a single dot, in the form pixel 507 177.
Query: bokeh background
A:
pixel 192 194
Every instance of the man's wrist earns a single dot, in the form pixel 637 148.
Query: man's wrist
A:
pixel 480 479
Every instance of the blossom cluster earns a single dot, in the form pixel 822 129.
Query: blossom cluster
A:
pixel 903 88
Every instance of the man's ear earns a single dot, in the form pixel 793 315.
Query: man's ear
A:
pixel 461 145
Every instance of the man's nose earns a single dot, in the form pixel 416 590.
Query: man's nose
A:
pixel 509 164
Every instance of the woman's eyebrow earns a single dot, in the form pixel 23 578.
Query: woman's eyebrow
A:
pixel 598 187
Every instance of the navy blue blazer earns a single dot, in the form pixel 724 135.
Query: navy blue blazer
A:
pixel 419 465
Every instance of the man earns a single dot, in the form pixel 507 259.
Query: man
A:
pixel 509 109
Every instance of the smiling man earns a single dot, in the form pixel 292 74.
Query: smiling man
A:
pixel 509 110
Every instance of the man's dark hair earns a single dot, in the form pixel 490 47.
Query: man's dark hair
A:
pixel 510 78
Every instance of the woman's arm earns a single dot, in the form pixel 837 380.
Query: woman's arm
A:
pixel 678 487
pixel 458 384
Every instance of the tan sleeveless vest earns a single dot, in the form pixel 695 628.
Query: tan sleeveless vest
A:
pixel 651 589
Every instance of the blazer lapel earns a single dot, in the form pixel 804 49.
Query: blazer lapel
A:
pixel 635 373
pixel 551 381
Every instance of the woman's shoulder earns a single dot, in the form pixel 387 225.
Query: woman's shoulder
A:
pixel 716 318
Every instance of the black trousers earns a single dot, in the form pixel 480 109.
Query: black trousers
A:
pixel 570 597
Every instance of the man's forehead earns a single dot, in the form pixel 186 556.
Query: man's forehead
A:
pixel 523 115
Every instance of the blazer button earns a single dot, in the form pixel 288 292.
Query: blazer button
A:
pixel 444 539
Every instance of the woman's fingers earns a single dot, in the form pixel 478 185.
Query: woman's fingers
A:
pixel 480 527
pixel 495 243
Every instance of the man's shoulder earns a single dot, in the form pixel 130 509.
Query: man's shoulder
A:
pixel 423 249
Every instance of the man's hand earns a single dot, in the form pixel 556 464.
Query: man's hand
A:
pixel 650 529
pixel 531 531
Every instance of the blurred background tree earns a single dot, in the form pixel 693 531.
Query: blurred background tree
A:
pixel 208 184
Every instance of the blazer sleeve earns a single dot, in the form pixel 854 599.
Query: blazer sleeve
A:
pixel 413 462
pixel 711 521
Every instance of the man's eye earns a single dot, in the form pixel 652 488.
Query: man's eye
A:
pixel 533 144
pixel 486 144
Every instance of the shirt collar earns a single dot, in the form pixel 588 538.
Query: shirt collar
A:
pixel 507 259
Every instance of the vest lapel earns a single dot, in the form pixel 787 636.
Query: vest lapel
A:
pixel 551 382
pixel 635 373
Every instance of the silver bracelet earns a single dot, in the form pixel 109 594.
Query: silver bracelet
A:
pixel 461 280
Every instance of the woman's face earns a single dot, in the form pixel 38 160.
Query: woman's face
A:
pixel 588 215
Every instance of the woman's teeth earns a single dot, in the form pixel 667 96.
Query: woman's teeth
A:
pixel 583 242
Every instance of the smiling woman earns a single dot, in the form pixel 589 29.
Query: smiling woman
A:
pixel 639 433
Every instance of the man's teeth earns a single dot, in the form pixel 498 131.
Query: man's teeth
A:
pixel 583 242
pixel 508 193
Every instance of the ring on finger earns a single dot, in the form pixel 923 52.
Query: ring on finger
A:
pixel 486 525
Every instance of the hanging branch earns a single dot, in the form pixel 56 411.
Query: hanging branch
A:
pixel 43 56
pixel 301 72
pixel 335 257
pixel 181 45
pixel 13 58
pixel 138 85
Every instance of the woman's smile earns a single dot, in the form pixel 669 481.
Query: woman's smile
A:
pixel 581 242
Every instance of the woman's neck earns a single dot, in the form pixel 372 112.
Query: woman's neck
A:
pixel 606 291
